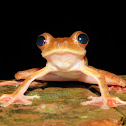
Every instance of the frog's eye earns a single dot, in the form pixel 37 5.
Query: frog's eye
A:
pixel 40 41
pixel 83 39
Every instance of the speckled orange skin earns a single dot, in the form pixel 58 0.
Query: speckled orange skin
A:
pixel 66 61
pixel 69 44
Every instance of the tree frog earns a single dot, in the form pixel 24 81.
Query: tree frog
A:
pixel 66 61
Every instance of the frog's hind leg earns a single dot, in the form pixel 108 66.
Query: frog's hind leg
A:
pixel 20 76
pixel 12 82
pixel 16 83
pixel 114 82
pixel 24 74
pixel 112 79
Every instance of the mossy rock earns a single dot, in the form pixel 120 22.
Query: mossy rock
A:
pixel 59 105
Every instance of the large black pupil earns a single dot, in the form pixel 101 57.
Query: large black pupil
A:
pixel 40 41
pixel 83 39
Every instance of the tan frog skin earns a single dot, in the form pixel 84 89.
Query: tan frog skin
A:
pixel 66 61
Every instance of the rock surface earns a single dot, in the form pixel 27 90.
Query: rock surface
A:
pixel 59 105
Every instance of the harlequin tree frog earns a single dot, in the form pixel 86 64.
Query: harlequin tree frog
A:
pixel 66 61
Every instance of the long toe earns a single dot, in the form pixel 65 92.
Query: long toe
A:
pixel 8 99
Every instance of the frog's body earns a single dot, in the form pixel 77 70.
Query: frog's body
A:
pixel 66 61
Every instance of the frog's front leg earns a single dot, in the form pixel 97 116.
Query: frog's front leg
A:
pixel 18 96
pixel 105 99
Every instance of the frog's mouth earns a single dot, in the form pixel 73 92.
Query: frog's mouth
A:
pixel 64 60
pixel 63 51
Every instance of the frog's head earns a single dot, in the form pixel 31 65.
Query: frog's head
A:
pixel 74 44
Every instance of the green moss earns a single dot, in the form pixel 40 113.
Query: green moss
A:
pixel 17 111
pixel 2 117
pixel 56 95
pixel 24 120
pixel 47 109
pixel 23 111
pixel 85 117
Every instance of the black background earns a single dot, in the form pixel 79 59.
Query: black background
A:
pixel 106 31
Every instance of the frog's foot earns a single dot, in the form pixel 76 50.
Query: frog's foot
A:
pixel 108 102
pixel 118 89
pixel 8 99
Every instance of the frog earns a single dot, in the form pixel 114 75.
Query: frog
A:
pixel 66 61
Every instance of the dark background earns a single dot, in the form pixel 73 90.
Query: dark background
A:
pixel 106 31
